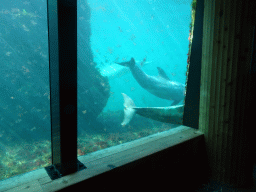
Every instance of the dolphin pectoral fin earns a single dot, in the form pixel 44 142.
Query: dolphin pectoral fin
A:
pixel 129 110
pixel 130 63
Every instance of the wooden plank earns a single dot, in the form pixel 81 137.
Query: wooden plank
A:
pixel 227 120
pixel 214 83
pixel 207 63
pixel 211 78
pixel 31 186
pixel 222 104
pixel 98 161
pixel 233 143
pixel 243 68
pixel 218 72
pixel 19 180
pixel 203 91
pixel 228 65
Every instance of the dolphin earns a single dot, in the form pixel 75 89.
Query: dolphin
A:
pixel 172 114
pixel 160 86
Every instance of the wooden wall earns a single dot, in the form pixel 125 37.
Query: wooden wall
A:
pixel 225 89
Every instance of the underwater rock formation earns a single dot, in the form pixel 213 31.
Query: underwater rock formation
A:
pixel 24 74
pixel 93 86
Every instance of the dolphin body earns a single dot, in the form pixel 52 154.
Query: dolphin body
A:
pixel 160 86
pixel 172 114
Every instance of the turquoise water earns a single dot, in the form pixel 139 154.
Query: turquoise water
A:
pixel 153 31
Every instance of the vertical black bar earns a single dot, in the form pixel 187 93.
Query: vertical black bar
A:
pixel 191 109
pixel 62 26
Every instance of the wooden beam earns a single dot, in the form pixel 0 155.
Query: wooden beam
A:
pixel 225 86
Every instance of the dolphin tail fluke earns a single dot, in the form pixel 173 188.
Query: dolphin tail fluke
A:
pixel 130 63
pixel 129 110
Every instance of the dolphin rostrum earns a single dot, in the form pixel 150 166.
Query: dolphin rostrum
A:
pixel 172 114
pixel 160 86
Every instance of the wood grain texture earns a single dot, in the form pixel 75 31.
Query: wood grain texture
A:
pixel 227 40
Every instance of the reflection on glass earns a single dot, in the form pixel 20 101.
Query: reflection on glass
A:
pixel 24 80
pixel 132 63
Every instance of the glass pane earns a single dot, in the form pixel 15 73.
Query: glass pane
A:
pixel 24 78
pixel 149 40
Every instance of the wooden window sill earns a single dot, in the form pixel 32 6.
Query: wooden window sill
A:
pixel 101 161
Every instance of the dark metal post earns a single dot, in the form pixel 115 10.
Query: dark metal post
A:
pixel 62 26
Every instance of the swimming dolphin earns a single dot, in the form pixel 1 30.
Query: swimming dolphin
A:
pixel 160 86
pixel 172 114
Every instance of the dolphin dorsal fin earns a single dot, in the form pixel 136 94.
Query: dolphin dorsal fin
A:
pixel 162 73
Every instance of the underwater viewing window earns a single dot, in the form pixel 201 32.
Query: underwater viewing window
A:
pixel 124 81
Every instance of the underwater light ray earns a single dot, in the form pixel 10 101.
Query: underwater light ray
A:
pixel 162 8
pixel 3 41
pixel 124 16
